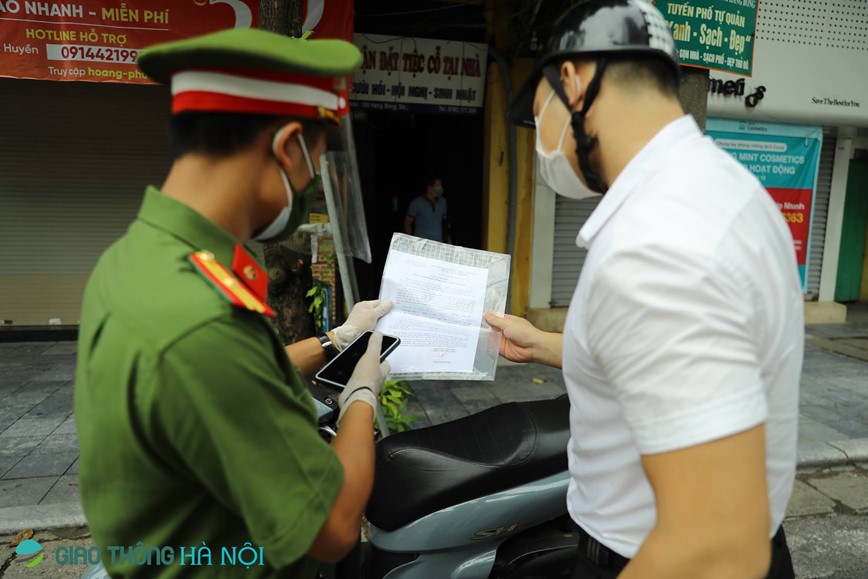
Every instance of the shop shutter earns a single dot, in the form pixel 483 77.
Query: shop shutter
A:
pixel 74 162
pixel 820 213
pixel 570 216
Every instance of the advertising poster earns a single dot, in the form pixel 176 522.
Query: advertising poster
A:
pixel 786 159
pixel 99 40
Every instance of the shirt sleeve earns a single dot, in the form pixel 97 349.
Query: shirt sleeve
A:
pixel 247 432
pixel 671 330
pixel 413 209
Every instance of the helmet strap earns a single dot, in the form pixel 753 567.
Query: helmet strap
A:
pixel 585 143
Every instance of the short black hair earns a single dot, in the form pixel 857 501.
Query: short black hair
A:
pixel 631 71
pixel 224 134
pixel 430 182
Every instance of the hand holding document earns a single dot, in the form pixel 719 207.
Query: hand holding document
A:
pixel 439 293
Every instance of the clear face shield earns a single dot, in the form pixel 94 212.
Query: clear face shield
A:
pixel 336 211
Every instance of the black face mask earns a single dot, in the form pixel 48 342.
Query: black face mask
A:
pixel 302 203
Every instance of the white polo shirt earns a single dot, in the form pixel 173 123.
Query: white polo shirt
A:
pixel 686 326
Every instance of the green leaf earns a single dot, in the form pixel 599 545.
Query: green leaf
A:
pixel 393 398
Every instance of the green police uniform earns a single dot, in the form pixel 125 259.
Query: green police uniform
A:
pixel 195 430
pixel 193 425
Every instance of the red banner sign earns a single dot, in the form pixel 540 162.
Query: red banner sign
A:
pixel 795 206
pixel 332 21
pixel 98 40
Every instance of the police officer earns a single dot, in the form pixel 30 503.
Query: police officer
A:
pixel 195 429
pixel 682 348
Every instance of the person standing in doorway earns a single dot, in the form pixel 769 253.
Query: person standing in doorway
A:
pixel 426 215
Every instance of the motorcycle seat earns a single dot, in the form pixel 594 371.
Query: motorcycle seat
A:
pixel 422 471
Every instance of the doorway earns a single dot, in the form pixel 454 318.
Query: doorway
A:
pixel 397 153
pixel 851 260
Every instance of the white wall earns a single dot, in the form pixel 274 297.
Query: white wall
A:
pixel 807 55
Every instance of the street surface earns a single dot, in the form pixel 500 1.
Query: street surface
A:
pixel 827 529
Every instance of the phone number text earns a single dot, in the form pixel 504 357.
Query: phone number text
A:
pixel 90 53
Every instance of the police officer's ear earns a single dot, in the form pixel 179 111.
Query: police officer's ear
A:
pixel 285 145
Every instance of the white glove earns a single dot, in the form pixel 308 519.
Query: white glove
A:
pixel 363 317
pixel 367 379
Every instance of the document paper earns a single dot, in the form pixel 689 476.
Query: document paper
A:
pixel 440 292
pixel 436 313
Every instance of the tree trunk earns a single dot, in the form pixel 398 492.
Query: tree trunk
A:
pixel 289 279
pixel 289 273
pixel 281 16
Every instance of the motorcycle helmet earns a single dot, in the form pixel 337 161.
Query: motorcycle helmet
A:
pixel 597 28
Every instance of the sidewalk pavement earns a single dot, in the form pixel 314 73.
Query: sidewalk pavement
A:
pixel 39 446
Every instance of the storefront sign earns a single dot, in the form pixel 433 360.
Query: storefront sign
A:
pixel 830 86
pixel 98 40
pixel 419 75
pixel 715 34
pixel 786 159
pixel 735 88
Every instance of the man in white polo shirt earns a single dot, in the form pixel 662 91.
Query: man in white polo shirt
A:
pixel 682 349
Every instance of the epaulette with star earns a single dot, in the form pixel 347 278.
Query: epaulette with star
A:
pixel 245 286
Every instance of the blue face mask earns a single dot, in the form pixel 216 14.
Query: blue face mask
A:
pixel 298 205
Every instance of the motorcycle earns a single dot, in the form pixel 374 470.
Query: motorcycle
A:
pixel 481 497
pixel 478 497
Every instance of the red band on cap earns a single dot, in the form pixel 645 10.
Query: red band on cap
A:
pixel 259 92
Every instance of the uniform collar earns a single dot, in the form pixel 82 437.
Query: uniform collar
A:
pixel 676 132
pixel 185 223
pixel 201 234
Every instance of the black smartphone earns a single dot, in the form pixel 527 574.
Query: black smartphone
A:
pixel 338 372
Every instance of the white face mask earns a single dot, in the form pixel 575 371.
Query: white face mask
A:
pixel 555 168
pixel 278 227
pixel 282 220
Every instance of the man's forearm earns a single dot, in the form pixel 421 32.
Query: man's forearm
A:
pixel 307 355
pixel 354 447
pixel 700 556
pixel 712 511
pixel 549 349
